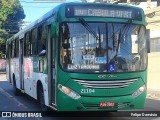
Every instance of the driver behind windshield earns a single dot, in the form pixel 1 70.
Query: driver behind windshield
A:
pixel 102 50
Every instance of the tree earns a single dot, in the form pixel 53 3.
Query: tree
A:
pixel 11 14
pixel 14 20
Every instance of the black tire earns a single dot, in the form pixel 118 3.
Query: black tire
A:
pixel 42 99
pixel 17 92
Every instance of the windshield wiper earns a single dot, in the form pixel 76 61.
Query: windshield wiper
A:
pixel 121 33
pixel 88 27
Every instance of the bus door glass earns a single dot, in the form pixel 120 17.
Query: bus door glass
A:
pixel 9 61
pixel 21 68
pixel 51 64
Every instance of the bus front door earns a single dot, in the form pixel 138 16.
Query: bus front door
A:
pixel 9 62
pixel 51 68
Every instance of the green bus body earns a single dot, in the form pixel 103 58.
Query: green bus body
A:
pixel 108 96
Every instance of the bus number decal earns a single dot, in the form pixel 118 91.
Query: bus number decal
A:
pixel 87 90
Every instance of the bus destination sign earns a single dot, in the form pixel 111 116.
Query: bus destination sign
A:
pixel 102 12
pixel 105 11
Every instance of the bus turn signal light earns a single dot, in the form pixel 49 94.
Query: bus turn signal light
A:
pixel 68 92
pixel 139 91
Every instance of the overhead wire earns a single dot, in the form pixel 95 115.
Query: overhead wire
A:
pixel 42 1
pixel 34 6
pixel 39 7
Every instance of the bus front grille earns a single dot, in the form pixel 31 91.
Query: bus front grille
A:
pixel 106 84
pixel 97 106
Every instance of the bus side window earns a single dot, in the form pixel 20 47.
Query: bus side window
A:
pixel 10 50
pixel 44 37
pixel 41 38
pixel 17 48
pixel 33 41
pixel 30 45
pixel 39 42
pixel 12 54
pixel 27 45
pixel 14 49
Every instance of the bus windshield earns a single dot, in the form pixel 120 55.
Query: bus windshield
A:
pixel 102 47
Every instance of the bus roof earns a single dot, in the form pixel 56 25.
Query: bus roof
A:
pixel 56 9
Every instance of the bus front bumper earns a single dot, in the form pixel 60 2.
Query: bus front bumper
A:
pixel 66 103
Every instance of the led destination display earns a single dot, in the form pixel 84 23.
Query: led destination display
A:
pixel 105 11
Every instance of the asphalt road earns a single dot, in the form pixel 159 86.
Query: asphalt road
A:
pixel 10 102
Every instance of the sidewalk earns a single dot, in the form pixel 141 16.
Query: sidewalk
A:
pixel 2 76
pixel 154 74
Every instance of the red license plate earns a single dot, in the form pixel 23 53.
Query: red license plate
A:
pixel 107 104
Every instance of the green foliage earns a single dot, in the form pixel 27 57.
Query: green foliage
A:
pixel 10 10
pixel 3 36
pixel 6 8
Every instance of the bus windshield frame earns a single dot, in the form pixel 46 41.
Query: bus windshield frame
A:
pixel 102 47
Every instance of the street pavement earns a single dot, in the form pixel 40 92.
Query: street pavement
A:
pixel 12 102
pixel 5 97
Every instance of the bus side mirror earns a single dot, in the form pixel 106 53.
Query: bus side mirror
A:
pixel 148 40
pixel 42 53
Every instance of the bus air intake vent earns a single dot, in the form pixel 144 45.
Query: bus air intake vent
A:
pixel 106 84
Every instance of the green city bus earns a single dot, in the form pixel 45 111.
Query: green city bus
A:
pixel 82 57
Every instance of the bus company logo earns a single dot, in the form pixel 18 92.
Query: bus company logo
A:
pixel 106 76
pixel 6 114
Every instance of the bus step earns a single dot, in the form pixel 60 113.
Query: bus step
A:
pixel 54 107
pixel 22 91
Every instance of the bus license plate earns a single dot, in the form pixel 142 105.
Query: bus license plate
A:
pixel 107 104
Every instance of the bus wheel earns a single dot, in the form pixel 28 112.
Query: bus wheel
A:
pixel 17 92
pixel 42 99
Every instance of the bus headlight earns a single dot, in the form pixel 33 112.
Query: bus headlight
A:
pixel 139 91
pixel 68 92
